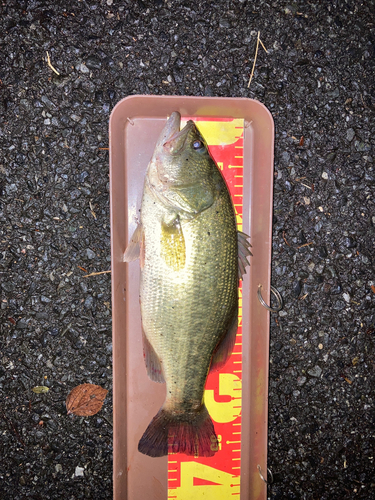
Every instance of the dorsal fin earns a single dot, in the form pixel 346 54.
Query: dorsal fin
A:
pixel 243 253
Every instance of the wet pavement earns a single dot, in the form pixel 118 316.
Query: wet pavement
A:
pixel 317 79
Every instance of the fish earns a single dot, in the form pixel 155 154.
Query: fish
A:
pixel 191 258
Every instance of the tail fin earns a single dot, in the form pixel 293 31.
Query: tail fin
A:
pixel 192 433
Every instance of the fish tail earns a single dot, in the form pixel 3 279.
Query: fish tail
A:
pixel 192 433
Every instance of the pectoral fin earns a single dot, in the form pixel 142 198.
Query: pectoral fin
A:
pixel 172 243
pixel 243 253
pixel 133 249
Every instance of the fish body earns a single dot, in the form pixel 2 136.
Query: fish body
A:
pixel 188 249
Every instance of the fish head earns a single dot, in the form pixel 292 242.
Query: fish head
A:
pixel 182 164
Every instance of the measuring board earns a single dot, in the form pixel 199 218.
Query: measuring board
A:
pixel 238 469
pixel 218 477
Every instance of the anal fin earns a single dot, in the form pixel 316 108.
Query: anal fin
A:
pixel 225 347
pixel 153 365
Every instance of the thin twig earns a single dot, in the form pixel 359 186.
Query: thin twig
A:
pixel 95 274
pixel 50 65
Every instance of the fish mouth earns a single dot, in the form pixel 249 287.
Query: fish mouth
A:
pixel 172 139
pixel 171 128
pixel 177 141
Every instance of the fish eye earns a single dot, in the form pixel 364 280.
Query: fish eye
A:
pixel 197 144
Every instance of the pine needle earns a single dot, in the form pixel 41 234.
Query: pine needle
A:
pixel 259 41
pixel 50 65
pixel 95 274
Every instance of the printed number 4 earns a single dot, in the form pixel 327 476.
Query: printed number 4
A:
pixel 219 484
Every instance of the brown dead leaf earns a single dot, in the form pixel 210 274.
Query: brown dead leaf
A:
pixel 85 400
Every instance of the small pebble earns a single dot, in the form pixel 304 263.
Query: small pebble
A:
pixel 89 302
pixel 75 194
pixel 285 157
pixel 10 188
pixel 315 371
pixel 90 254
pixel 297 289
pixel 79 471
pixel 322 250
pixel 350 134
pixel 83 68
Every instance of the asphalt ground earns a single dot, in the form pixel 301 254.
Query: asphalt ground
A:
pixel 317 79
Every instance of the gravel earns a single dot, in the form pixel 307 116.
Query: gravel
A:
pixel 317 81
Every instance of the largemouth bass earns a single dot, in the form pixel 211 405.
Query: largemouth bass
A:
pixel 191 257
